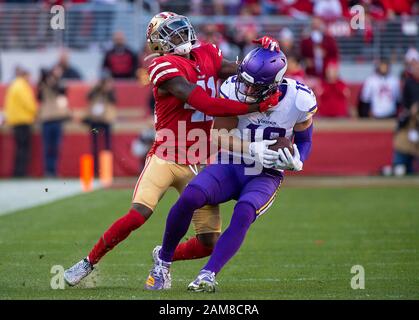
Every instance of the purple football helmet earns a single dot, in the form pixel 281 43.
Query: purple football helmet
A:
pixel 259 74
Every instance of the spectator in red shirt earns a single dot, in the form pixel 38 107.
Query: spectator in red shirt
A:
pixel 333 94
pixel 318 49
pixel 120 61
pixel 296 8
pixel 374 8
pixel 399 7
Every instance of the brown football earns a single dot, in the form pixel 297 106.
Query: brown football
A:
pixel 282 142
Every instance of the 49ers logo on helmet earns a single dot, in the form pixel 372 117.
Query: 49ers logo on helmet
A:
pixel 150 28
pixel 167 14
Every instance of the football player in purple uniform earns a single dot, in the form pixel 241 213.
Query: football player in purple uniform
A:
pixel 260 73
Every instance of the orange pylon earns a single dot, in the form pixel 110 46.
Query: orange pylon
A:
pixel 106 168
pixel 86 172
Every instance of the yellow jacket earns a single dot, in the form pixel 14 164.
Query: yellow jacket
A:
pixel 20 103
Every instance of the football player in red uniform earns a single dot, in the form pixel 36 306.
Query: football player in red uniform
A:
pixel 184 77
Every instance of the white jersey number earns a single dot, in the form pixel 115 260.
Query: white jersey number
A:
pixel 269 133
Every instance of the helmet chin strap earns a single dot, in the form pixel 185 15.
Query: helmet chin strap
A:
pixel 245 99
pixel 183 48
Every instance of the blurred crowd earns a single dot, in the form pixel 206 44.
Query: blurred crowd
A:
pixel 315 61
pixel 95 25
pixel 313 58
pixel 328 9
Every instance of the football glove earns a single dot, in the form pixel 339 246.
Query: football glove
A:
pixel 270 101
pixel 259 151
pixel 268 43
pixel 287 161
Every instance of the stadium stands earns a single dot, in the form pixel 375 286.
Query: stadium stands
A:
pixel 26 37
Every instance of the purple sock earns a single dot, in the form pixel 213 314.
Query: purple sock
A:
pixel 232 238
pixel 179 219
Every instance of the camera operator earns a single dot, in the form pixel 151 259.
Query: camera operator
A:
pixel 101 114
pixel 53 112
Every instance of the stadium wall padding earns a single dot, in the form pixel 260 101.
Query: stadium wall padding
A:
pixel 334 153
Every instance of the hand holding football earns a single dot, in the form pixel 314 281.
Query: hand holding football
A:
pixel 282 142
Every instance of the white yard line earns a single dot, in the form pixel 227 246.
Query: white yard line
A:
pixel 22 194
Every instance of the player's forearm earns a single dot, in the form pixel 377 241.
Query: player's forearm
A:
pixel 217 107
pixel 303 140
pixel 229 142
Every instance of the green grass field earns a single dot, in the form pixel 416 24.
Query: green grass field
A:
pixel 303 248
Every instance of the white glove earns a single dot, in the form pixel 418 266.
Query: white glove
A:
pixel 287 161
pixel 260 152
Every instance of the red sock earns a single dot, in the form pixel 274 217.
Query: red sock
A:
pixel 191 249
pixel 117 232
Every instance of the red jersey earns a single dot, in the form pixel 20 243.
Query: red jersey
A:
pixel 175 120
pixel 333 101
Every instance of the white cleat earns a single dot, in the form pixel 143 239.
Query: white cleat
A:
pixel 78 272
pixel 204 282
pixel 159 277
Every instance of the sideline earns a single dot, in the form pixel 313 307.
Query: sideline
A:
pixel 18 194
